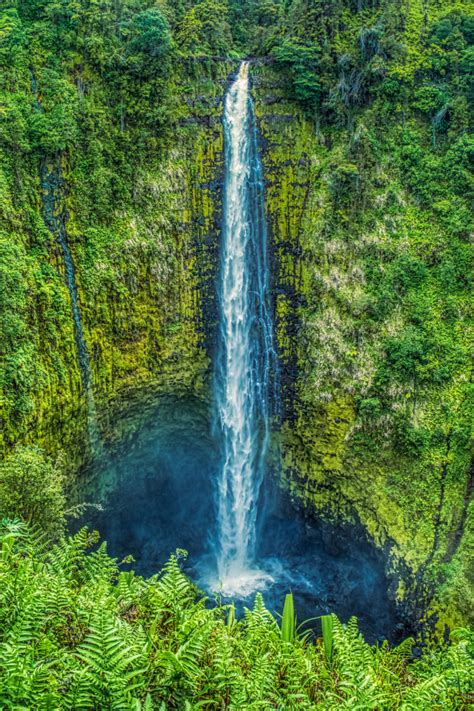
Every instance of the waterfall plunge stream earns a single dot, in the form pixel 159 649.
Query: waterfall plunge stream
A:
pixel 55 219
pixel 246 364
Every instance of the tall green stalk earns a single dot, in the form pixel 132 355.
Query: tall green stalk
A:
pixel 327 627
pixel 288 620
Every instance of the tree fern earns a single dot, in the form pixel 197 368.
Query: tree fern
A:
pixel 225 674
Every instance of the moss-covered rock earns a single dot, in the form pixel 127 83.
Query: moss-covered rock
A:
pixel 375 363
pixel 143 274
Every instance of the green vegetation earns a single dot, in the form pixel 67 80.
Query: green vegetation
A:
pixel 76 633
pixel 104 133
pixel 110 131
pixel 370 201
pixel 31 486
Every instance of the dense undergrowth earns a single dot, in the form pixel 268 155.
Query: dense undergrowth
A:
pixel 121 100
pixel 76 633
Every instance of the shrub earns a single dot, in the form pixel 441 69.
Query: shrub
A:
pixel 31 486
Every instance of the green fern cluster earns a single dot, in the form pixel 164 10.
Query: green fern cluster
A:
pixel 76 633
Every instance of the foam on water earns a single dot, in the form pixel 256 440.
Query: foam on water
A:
pixel 242 584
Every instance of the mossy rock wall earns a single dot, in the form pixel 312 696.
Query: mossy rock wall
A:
pixel 144 271
pixel 374 352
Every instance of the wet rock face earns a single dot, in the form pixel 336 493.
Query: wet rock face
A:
pixel 284 201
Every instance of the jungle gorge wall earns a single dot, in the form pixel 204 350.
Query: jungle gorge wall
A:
pixel 144 268
pixel 376 430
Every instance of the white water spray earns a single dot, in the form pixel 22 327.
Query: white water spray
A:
pixel 246 359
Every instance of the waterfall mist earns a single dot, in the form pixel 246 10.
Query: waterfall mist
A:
pixel 157 493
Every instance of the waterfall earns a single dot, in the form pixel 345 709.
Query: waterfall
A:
pixel 55 220
pixel 54 217
pixel 246 362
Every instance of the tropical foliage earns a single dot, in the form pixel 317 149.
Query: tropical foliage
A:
pixel 109 130
pixel 370 202
pixel 31 486
pixel 76 633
